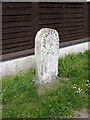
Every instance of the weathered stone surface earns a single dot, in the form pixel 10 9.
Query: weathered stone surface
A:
pixel 46 55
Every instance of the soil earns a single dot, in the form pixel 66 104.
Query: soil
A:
pixel 81 114
pixel 54 84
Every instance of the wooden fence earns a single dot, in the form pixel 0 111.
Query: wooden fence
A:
pixel 21 21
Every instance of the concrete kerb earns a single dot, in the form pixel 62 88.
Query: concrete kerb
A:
pixel 16 66
pixel 74 49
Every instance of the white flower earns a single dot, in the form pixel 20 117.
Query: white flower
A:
pixel 74 87
pixel 79 90
pixel 87 80
pixel 74 84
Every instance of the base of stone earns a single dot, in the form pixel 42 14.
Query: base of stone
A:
pixel 54 84
pixel 45 81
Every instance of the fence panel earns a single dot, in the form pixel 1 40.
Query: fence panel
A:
pixel 16 27
pixel 21 21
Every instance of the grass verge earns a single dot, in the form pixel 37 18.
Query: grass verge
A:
pixel 21 100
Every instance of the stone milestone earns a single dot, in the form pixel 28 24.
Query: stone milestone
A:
pixel 46 55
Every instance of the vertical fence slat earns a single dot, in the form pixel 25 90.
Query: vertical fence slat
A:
pixel 34 20
pixel 88 4
pixel 84 19
pixel 63 21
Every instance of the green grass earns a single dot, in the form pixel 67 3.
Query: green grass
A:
pixel 21 100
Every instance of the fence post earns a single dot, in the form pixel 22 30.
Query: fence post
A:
pixel 85 20
pixel 34 21
pixel 63 29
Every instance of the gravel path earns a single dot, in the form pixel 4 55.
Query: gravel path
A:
pixel 81 114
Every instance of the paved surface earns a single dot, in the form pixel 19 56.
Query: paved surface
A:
pixel 81 114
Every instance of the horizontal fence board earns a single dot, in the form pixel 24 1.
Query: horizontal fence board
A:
pixel 16 18
pixel 16 24
pixel 49 11
pixel 16 11
pixel 16 49
pixel 47 16
pixel 10 46
pixel 73 27
pixel 16 40
pixel 18 4
pixel 73 20
pixel 17 54
pixel 86 34
pixel 16 29
pixel 14 35
pixel 74 3
pixel 73 6
pixel 55 25
pixel 70 10
pixel 73 42
pixel 73 24
pixel 49 5
pixel 59 30
pixel 72 35
pixel 52 18
pixel 73 15
pixel 50 21
pixel 73 31
pixel 72 38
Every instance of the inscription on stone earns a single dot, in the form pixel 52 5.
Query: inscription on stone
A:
pixel 46 55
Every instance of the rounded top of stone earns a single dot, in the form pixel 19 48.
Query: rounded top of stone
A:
pixel 43 31
pixel 46 30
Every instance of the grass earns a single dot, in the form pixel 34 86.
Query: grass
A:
pixel 21 100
